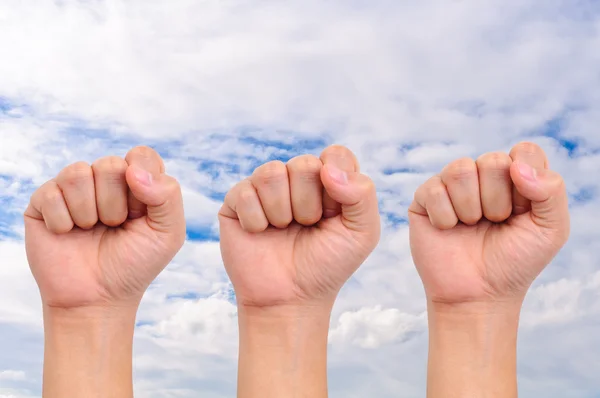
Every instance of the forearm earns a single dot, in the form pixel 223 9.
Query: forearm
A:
pixel 472 351
pixel 283 353
pixel 88 353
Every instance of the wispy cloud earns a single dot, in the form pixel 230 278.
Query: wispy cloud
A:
pixel 220 87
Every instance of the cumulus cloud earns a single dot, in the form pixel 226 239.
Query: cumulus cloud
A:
pixel 374 327
pixel 220 86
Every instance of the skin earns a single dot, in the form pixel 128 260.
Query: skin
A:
pixel 96 237
pixel 481 231
pixel 291 236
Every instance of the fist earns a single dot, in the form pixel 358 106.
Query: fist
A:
pixel 98 235
pixel 484 230
pixel 293 234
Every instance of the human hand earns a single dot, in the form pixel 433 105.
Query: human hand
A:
pixel 291 236
pixel 480 233
pixel 286 242
pixel 484 230
pixel 97 236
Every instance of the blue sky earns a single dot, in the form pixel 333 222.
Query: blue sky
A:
pixel 221 87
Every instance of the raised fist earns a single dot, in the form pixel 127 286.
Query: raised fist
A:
pixel 484 230
pixel 98 235
pixel 293 234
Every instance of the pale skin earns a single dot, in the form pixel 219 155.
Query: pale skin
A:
pixel 291 236
pixel 96 237
pixel 481 231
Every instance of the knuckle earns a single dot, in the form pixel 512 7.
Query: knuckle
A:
pixel 497 161
pixel 52 196
pixel 246 196
pixel 526 147
pixel 338 150
pixel 271 173
pixel 305 165
pixel 110 165
pixel 142 151
pixel 342 155
pixel 76 173
pixel 436 191
pixel 460 170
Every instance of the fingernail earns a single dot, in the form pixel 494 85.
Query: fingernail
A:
pixel 143 176
pixel 527 172
pixel 338 175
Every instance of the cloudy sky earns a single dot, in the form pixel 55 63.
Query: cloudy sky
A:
pixel 221 86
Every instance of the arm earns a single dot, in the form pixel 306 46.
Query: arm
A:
pixel 283 353
pixel 480 233
pixel 93 256
pixel 472 351
pixel 88 353
pixel 287 264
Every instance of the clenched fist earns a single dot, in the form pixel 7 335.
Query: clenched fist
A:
pixel 292 234
pixel 98 235
pixel 483 230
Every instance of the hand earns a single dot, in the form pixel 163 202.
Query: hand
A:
pixel 293 234
pixel 98 235
pixel 480 233
pixel 484 230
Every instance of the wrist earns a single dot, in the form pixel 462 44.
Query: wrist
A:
pixel 283 331
pixel 283 351
pixel 285 313
pixel 510 308
pixel 472 349
pixel 88 351
pixel 91 315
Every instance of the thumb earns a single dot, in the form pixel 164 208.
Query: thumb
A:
pixel 548 195
pixel 358 197
pixel 162 196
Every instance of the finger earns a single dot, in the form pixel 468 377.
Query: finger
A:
pixel 306 189
pixel 48 204
pixel 242 203
pixel 462 182
pixel 77 185
pixel 147 159
pixel 162 197
pixel 495 185
pixel 546 191
pixel 273 188
pixel 534 156
pixel 343 159
pixel 111 190
pixel 358 198
pixel 432 200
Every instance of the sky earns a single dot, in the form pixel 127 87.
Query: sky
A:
pixel 220 86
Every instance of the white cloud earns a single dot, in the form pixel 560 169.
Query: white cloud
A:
pixel 374 327
pixel 14 375
pixel 408 85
